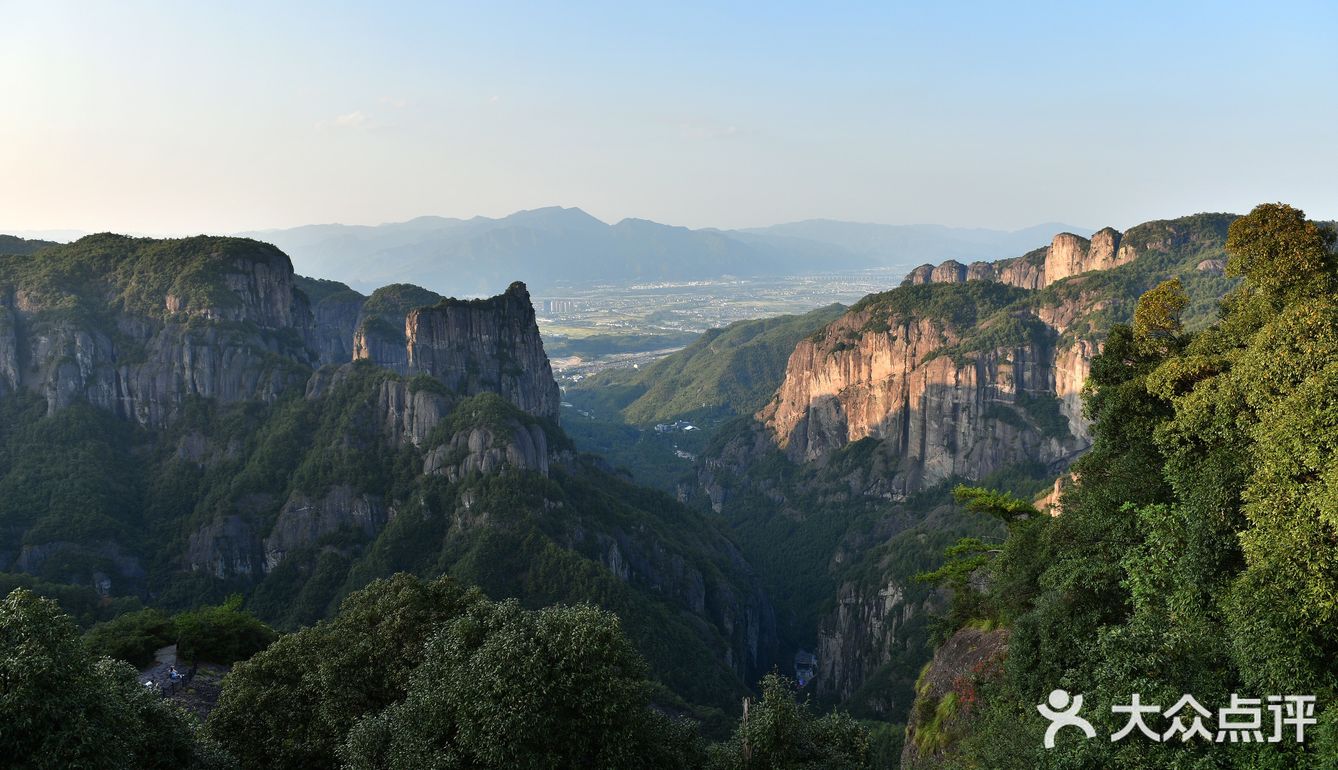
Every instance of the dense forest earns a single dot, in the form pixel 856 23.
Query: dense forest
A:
pixel 408 674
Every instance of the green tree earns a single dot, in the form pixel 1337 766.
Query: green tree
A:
pixel 1157 315
pixel 222 634
pixel 1280 253
pixel 502 687
pixel 62 708
pixel 293 704
pixel 132 637
pixel 781 733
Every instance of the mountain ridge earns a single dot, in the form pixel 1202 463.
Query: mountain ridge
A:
pixel 632 248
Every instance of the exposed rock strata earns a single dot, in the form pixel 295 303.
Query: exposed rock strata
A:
pixel 240 340
pixel 861 635
pixel 1067 255
pixel 489 451
pixel 334 322
pixel 476 346
pixel 942 415
pixel 303 522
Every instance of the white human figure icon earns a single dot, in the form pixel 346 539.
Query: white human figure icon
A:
pixel 1063 712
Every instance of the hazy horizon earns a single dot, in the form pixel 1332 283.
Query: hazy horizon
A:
pixel 153 118
pixel 65 234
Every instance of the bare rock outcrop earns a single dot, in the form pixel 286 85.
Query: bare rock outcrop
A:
pixel 226 548
pixel 951 271
pixel 941 414
pixel 1067 255
pixel 490 450
pixel 382 345
pixel 474 346
pixel 334 322
pixel 304 521
pixel 947 696
pixel 1072 255
pixel 1024 272
pixel 407 415
pixel 234 332
pixel 860 635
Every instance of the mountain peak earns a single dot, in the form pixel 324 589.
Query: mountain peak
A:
pixel 554 216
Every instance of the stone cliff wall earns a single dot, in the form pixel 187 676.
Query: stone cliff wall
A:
pixel 480 346
pixel 900 380
pixel 142 364
pixel 487 451
pixel 861 635
pixel 943 415
pixel 334 323
pixel 1067 255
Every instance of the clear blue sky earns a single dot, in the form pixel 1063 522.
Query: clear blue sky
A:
pixel 185 117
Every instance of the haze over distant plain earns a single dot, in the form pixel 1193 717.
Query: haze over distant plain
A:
pixel 154 117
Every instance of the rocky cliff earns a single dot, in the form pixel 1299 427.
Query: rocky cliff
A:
pixel 137 326
pixel 946 401
pixel 436 480
pixel 478 346
pixel 380 328
pixel 336 310
pixel 948 692
pixel 184 419
pixel 860 635
pixel 962 380
pixel 1067 255
pixel 303 521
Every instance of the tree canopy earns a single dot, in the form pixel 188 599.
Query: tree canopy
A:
pixel 60 707
pixel 1198 551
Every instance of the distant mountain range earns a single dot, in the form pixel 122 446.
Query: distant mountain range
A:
pixel 554 246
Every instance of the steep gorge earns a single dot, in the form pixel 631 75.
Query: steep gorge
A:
pixel 964 373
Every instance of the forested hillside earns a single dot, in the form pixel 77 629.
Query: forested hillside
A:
pixel 1194 551
pixel 839 487
pixel 723 374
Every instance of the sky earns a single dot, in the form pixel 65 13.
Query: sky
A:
pixel 185 117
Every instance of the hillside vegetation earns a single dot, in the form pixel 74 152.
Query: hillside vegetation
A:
pixel 724 373
pixel 11 244
pixel 295 491
pixel 1194 552
pixel 117 273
